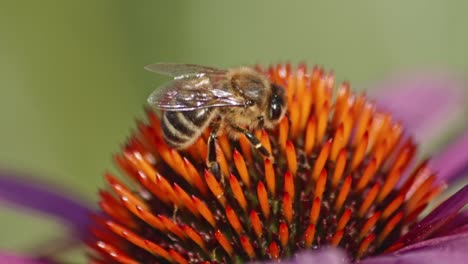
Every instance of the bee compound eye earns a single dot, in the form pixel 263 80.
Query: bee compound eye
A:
pixel 276 108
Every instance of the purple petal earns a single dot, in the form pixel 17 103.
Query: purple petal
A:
pixel 424 102
pixel 16 259
pixel 435 242
pixel 330 256
pixel 326 255
pixel 457 225
pixel 43 198
pixel 439 217
pixel 453 251
pixel 452 163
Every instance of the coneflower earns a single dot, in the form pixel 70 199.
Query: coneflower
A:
pixel 343 175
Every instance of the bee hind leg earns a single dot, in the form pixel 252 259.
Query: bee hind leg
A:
pixel 254 141
pixel 212 162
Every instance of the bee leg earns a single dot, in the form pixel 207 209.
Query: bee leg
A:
pixel 254 141
pixel 261 121
pixel 212 162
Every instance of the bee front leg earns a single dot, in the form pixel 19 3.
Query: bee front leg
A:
pixel 212 162
pixel 254 141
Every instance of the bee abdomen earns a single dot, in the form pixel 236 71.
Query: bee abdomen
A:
pixel 182 128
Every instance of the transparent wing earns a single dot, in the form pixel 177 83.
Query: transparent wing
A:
pixel 193 93
pixel 183 70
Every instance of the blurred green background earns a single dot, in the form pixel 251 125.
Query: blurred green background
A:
pixel 72 80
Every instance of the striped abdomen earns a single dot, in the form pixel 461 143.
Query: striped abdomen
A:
pixel 182 128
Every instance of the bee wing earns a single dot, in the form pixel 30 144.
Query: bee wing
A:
pixel 193 93
pixel 183 70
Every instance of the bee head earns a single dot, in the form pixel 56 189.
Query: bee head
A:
pixel 277 104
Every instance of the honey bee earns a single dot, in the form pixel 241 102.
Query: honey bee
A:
pixel 236 101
